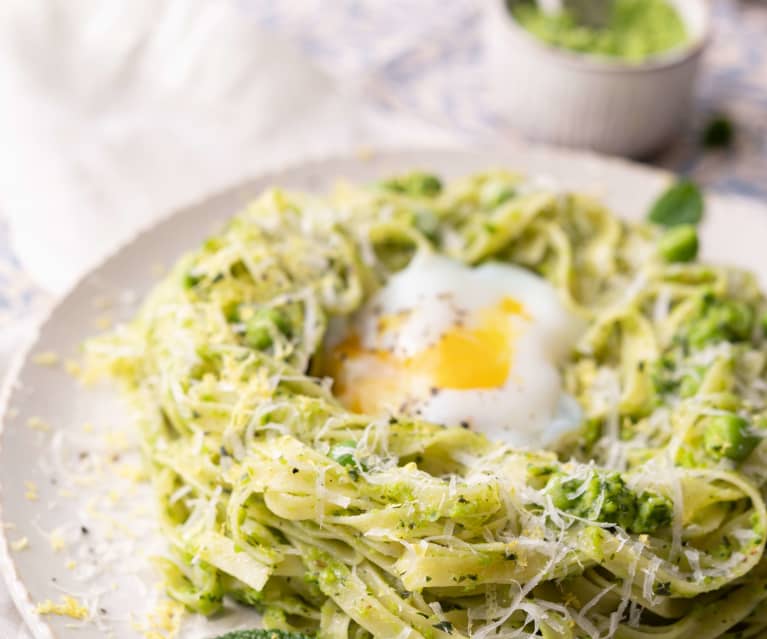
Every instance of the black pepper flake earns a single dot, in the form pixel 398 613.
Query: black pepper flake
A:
pixel 294 471
pixel 464 424
pixel 84 530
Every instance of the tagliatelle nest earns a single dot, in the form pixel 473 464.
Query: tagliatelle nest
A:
pixel 648 518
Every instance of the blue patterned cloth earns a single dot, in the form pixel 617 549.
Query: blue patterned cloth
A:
pixel 425 58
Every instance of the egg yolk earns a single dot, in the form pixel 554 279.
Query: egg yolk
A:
pixel 465 357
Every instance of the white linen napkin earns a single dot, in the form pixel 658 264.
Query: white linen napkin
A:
pixel 113 113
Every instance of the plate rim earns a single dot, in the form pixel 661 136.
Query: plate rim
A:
pixel 19 593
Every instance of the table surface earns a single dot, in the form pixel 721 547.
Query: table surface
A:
pixel 424 58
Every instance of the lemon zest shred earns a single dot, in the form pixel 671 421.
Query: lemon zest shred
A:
pixel 46 358
pixel 69 607
pixel 37 423
pixel 20 544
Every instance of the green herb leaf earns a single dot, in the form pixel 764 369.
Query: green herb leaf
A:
pixel 681 203
pixel 263 634
pixel 343 453
pixel 191 279
pixel 444 626
pixel 729 436
pixel 719 133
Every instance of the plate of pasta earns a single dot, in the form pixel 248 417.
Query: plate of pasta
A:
pixel 434 394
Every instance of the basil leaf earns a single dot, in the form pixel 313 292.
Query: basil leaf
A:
pixel 343 453
pixel 444 626
pixel 263 634
pixel 681 203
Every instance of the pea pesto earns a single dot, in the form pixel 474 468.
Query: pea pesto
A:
pixel 634 31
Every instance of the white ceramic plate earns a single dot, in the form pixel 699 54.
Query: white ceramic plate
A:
pixel 81 467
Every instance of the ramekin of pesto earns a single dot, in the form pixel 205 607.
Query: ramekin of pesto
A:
pixel 623 89
pixel 633 30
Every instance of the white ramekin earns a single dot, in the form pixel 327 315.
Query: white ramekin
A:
pixel 566 98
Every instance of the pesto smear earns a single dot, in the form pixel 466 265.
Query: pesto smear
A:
pixel 636 29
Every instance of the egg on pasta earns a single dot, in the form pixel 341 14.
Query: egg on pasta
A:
pixel 451 344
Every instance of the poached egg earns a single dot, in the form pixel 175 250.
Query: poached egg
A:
pixel 451 344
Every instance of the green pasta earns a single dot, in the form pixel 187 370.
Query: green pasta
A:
pixel 646 522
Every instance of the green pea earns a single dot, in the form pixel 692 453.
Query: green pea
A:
pixel 654 511
pixel 724 320
pixel 558 489
pixel 739 318
pixel 494 194
pixel 417 183
pixel 191 279
pixel 679 244
pixel 728 436
pixel 429 185
pixel 259 329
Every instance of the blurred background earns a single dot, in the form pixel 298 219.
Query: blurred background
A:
pixel 113 113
